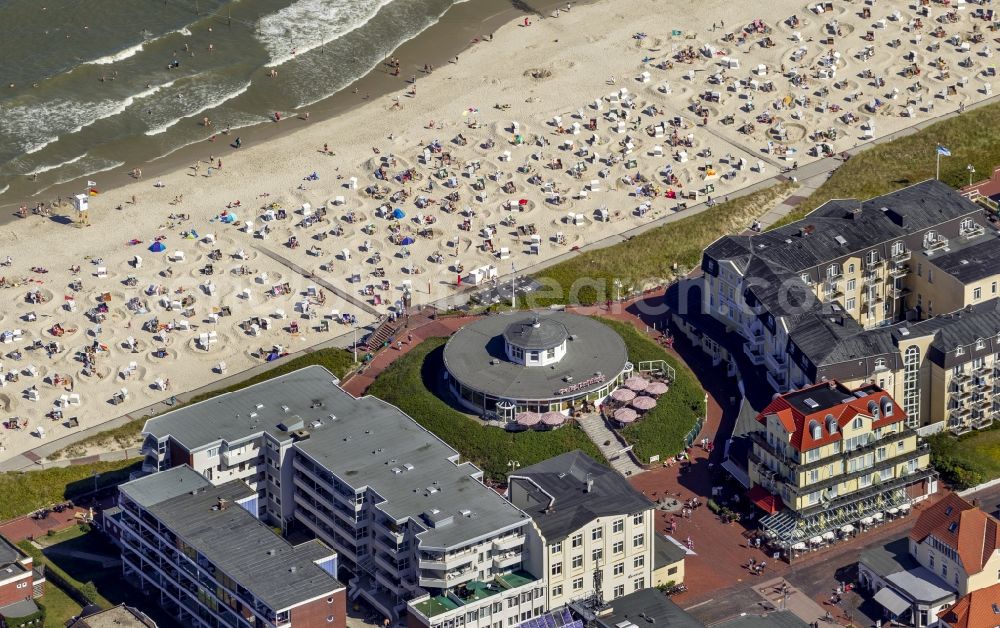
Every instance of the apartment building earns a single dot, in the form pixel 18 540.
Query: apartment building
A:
pixel 829 457
pixel 951 554
pixel 841 294
pixel 200 549
pixel 20 583
pixel 411 522
pixel 593 534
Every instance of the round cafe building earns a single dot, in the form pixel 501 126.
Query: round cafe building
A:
pixel 534 362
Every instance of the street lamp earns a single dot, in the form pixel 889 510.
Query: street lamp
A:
pixel 354 324
pixel 97 476
pixel 513 465
pixel 618 290
pixel 972 171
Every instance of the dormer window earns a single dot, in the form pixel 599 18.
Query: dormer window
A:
pixel 816 430
pixel 980 344
pixel 831 424
pixel 880 364
pixel 886 406
pixel 959 350
pixel 858 423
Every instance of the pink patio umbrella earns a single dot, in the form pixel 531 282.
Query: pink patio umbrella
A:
pixel 636 383
pixel 623 395
pixel 625 415
pixel 553 418
pixel 527 419
pixel 657 388
pixel 644 403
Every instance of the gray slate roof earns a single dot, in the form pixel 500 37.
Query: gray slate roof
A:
pixel 972 261
pixel 634 607
pixel 595 348
pixel 564 478
pixel 241 546
pixel 837 231
pixel 666 552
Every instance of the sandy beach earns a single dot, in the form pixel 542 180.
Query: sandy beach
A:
pixel 548 136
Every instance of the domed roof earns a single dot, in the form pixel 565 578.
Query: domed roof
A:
pixel 535 333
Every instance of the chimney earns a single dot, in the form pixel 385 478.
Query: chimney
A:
pixel 590 483
pixel 806 230
pixel 223 504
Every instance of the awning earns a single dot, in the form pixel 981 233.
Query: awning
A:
pixel 765 500
pixel 891 601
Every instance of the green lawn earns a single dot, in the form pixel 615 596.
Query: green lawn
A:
pixel 63 535
pixel 28 491
pixel 648 259
pixel 967 460
pixel 973 138
pixel 406 384
pixel 661 431
pixel 102 584
pixel 337 361
pixel 59 607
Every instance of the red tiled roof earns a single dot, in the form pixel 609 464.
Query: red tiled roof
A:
pixel 765 500
pixel 797 423
pixel 972 533
pixel 975 609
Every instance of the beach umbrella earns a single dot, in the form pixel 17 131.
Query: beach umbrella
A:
pixel 407 241
pixel 657 388
pixel 553 418
pixel 625 415
pixel 157 247
pixel 522 202
pixel 527 419
pixel 398 213
pixel 623 395
pixel 644 403
pixel 636 383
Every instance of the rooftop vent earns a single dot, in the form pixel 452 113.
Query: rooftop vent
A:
pixel 573 336
pixel 259 406
pixel 284 408
pixel 271 552
pixel 396 470
pixel 292 569
pixel 253 415
pixel 809 401
pixel 494 361
pixel 300 435
pixel 466 512
pixel 333 417
pixel 840 240
pixel 430 490
pixel 408 466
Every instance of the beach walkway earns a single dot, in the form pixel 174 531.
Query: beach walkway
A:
pixel 326 285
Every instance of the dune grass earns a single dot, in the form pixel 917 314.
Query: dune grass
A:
pixel 648 259
pixel 973 138
pixel 28 491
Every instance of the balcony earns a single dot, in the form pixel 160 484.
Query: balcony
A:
pixel 873 264
pixel 755 352
pixel 776 362
pixel 386 563
pixel 507 559
pixel 983 422
pixel 507 542
pixel 233 457
pixel 778 381
pixel 432 582
pixel 898 293
pixel 973 231
pixel 899 271
pixel 899 258
pixel 937 243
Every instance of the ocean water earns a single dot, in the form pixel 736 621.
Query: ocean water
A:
pixel 87 84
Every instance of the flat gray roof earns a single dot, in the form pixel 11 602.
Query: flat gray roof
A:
pixel 249 552
pixel 120 616
pixel 779 619
pixel 535 332
pixel 236 416
pixel 374 444
pixel 592 348
pixel 893 562
pixel 637 607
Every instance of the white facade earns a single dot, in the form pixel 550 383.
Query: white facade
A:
pixel 620 548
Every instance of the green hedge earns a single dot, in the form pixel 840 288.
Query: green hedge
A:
pixel 83 592
pixel 662 430
pixel 408 384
